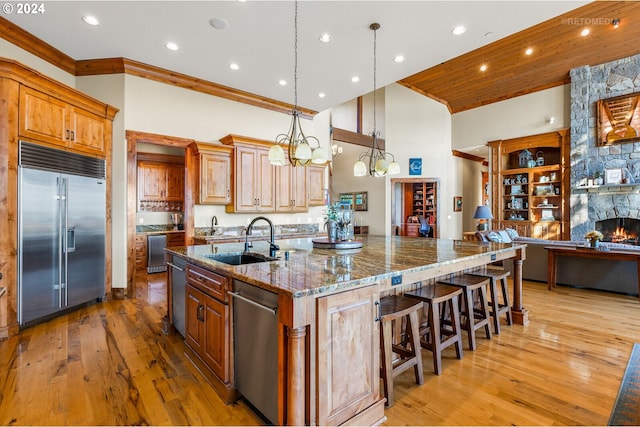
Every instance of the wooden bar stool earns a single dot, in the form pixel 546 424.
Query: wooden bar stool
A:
pixel 434 336
pixel 393 308
pixel 475 316
pixel 498 308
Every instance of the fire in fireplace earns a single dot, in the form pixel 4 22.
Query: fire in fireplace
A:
pixel 620 230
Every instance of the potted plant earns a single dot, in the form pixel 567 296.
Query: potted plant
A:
pixel 593 237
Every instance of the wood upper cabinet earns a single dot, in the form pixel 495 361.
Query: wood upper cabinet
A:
pixel 347 389
pixel 50 120
pixel 159 180
pixel 316 186
pixel 291 188
pixel 215 174
pixel 253 175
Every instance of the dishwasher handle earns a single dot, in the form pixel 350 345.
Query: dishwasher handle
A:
pixel 273 311
pixel 174 266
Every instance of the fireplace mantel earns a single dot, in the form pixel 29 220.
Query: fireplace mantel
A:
pixel 607 188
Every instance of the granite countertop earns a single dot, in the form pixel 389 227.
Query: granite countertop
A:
pixel 310 271
pixel 157 229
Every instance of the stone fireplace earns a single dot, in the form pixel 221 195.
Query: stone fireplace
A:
pixel 593 206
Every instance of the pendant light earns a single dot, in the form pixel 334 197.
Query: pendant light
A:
pixel 301 149
pixel 376 158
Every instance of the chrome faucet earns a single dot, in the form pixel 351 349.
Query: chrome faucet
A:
pixel 214 222
pixel 272 246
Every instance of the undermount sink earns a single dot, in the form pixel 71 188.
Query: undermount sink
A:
pixel 240 258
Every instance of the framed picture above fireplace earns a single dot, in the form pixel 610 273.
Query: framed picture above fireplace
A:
pixel 619 119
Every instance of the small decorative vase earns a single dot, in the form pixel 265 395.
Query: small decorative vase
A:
pixel 594 243
pixel 332 230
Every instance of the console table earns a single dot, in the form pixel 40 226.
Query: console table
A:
pixel 553 252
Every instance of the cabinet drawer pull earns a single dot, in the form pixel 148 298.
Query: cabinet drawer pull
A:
pixel 73 136
pixel 200 314
pixel 378 311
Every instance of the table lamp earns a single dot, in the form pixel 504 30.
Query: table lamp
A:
pixel 483 214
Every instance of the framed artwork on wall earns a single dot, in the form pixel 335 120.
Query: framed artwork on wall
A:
pixel 613 176
pixel 415 166
pixel 457 204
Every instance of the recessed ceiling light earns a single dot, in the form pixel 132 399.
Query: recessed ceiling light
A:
pixel 488 34
pixel 325 38
pixel 529 51
pixel 355 79
pixel 460 29
pixel 585 32
pixel 282 82
pixel 218 23
pixel 398 58
pixel 321 95
pixel 483 67
pixel 242 1
pixel 234 66
pixel 91 20
pixel 172 46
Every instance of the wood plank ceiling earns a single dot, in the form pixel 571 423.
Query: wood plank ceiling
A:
pixel 557 48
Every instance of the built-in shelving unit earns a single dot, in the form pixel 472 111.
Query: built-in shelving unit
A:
pixel 530 184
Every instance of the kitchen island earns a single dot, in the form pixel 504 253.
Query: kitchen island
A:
pixel 328 336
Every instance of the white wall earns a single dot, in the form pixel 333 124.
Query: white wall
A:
pixel 521 116
pixel 417 126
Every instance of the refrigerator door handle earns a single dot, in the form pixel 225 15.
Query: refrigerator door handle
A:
pixel 65 215
pixel 71 240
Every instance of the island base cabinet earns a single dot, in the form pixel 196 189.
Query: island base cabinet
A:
pixel 348 358
pixel 207 336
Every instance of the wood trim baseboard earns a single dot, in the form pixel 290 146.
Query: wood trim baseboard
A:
pixel 118 293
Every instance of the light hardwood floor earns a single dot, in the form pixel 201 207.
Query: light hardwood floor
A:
pixel 110 364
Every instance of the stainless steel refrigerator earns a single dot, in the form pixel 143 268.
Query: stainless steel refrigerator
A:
pixel 61 227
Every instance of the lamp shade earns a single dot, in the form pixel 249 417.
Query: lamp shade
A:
pixel 483 212
pixel 276 155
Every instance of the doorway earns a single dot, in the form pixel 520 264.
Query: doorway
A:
pixel 415 207
pixel 191 173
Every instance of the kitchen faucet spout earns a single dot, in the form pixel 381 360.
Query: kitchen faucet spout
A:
pixel 214 222
pixel 272 246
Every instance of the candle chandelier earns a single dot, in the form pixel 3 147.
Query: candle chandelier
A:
pixel 301 149
pixel 378 165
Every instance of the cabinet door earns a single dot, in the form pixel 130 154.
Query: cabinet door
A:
pixel 348 354
pixel 141 252
pixel 174 182
pixel 265 182
pixel 316 186
pixel 86 131
pixel 283 188
pixel 299 180
pixel 194 319
pixel 215 178
pixel 43 118
pixel 245 178
pixel 151 181
pixel 216 337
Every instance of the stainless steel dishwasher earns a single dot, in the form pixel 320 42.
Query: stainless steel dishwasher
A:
pixel 178 274
pixel 255 329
